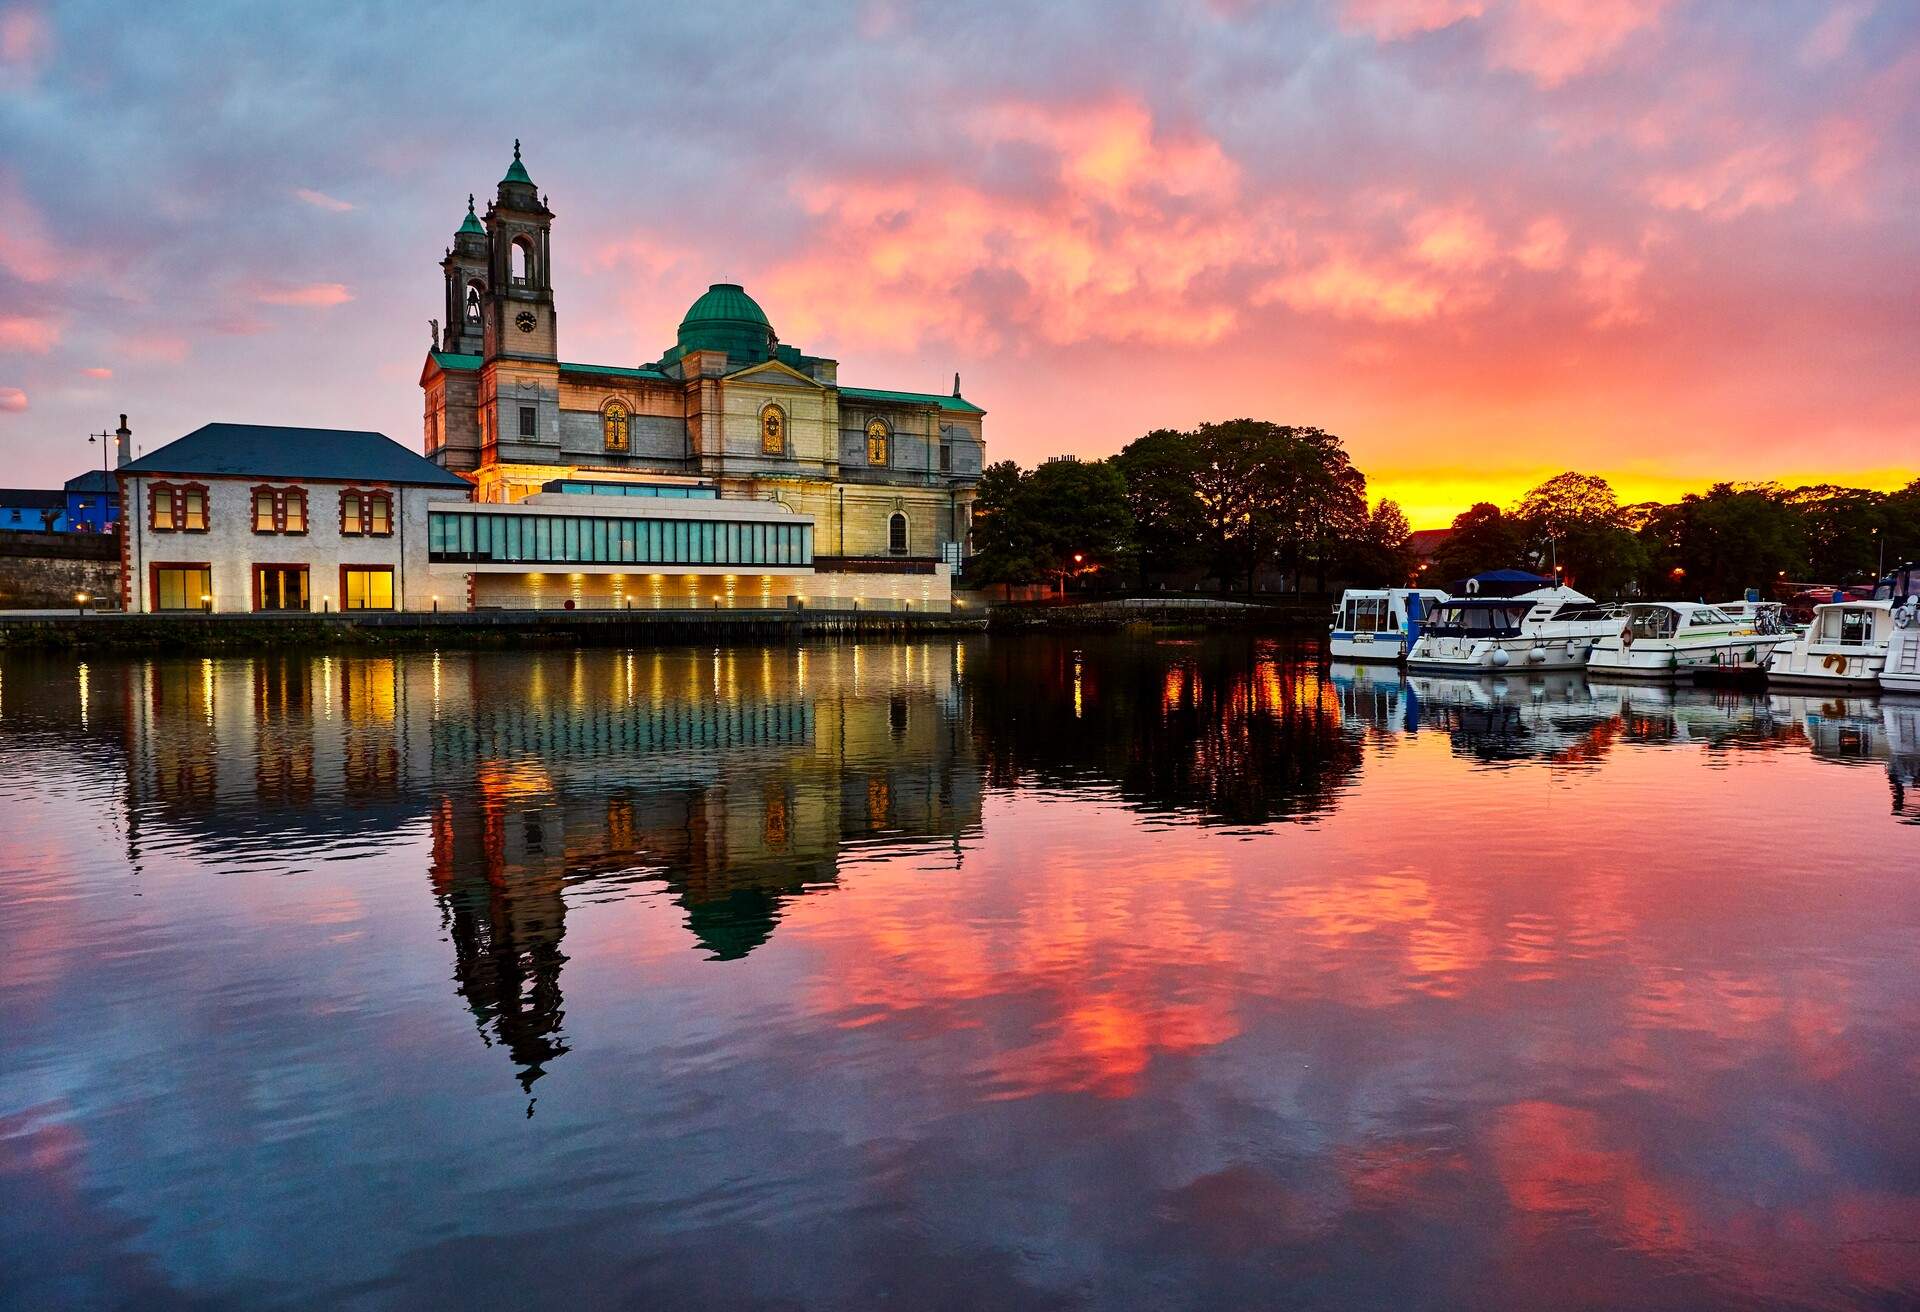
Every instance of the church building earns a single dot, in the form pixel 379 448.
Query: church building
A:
pixel 728 411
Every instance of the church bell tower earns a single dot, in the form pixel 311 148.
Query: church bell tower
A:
pixel 519 318
pixel 468 282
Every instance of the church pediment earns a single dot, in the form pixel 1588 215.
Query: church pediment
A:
pixel 773 373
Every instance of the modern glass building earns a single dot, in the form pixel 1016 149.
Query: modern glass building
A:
pixel 485 536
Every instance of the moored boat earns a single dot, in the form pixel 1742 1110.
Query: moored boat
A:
pixel 1551 628
pixel 1667 639
pixel 1845 647
pixel 1378 624
pixel 1901 672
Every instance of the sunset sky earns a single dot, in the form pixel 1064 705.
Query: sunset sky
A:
pixel 1667 241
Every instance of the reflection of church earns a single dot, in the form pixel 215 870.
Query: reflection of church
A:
pixel 885 474
pixel 736 780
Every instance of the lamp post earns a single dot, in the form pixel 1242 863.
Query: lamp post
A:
pixel 101 437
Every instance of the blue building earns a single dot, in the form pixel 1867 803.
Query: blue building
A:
pixel 32 510
pixel 93 502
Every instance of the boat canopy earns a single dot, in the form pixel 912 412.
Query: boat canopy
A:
pixel 1499 583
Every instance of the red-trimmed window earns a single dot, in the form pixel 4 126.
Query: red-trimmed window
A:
pixel 160 516
pixel 177 507
pixel 279 510
pixel 366 587
pixel 366 514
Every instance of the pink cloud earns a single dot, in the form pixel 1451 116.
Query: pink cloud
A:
pixel 19 332
pixel 1552 41
pixel 26 38
pixel 320 200
pixel 26 251
pixel 1544 247
pixel 12 400
pixel 97 372
pixel 1759 177
pixel 1610 283
pixel 320 294
pixel 1394 20
pixel 159 347
pixel 1128 236
pixel 1351 287
pixel 1452 238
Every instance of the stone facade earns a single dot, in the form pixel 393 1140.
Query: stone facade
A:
pixel 728 404
pixel 49 570
pixel 231 549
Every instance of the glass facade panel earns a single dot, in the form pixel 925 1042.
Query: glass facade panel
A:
pixel 455 537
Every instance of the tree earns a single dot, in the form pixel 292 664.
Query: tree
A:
pixel 1030 526
pixel 1573 521
pixel 1482 538
pixel 1008 549
pixel 1170 528
pixel 1715 546
pixel 1379 557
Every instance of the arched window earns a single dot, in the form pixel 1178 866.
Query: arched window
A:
pixel 613 425
pixel 473 302
pixel 773 430
pixel 522 260
pixel 897 534
pixel 877 443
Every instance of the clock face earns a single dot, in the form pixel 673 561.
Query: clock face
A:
pixel 526 320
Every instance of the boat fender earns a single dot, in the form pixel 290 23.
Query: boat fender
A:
pixel 1500 657
pixel 1537 655
pixel 1626 636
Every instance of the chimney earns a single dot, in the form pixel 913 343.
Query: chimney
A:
pixel 123 445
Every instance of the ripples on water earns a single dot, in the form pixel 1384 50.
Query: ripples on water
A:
pixel 1029 973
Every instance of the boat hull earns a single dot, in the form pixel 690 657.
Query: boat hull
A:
pixel 1742 657
pixel 1384 646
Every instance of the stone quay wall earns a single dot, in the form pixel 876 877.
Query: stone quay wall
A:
pixel 44 571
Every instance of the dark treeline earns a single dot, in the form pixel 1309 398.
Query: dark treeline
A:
pixel 1248 503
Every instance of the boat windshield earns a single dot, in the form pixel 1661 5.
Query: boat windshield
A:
pixel 1367 615
pixel 1706 616
pixel 1476 619
pixel 1848 624
pixel 1583 611
pixel 1652 621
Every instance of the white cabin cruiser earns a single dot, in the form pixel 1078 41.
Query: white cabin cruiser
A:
pixel 1663 639
pixel 1901 673
pixel 1550 628
pixel 1378 624
pixel 1845 647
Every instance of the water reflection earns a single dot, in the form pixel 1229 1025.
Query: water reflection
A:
pixel 1116 973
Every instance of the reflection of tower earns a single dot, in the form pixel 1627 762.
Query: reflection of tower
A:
pixel 506 920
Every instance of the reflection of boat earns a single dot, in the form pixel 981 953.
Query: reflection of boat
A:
pixel 1844 647
pixel 1545 629
pixel 1519 717
pixel 1662 639
pixel 1374 695
pixel 1901 673
pixel 1837 728
pixel 1902 718
pixel 1378 624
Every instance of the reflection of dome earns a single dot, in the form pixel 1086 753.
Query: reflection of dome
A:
pixel 726 319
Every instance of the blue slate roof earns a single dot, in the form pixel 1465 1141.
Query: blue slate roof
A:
pixel 273 452
pixel 94 480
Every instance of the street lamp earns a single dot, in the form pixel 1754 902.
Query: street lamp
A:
pixel 80 600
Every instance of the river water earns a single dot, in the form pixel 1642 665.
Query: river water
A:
pixel 1024 973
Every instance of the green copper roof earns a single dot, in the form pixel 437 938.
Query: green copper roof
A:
pixel 954 403
pixel 726 319
pixel 613 370
pixel 516 171
pixel 455 360
pixel 470 224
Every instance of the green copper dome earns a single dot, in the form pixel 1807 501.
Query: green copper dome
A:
pixel 726 319
pixel 470 224
pixel 516 171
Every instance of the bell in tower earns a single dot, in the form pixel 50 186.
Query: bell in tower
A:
pixel 519 318
pixel 465 267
